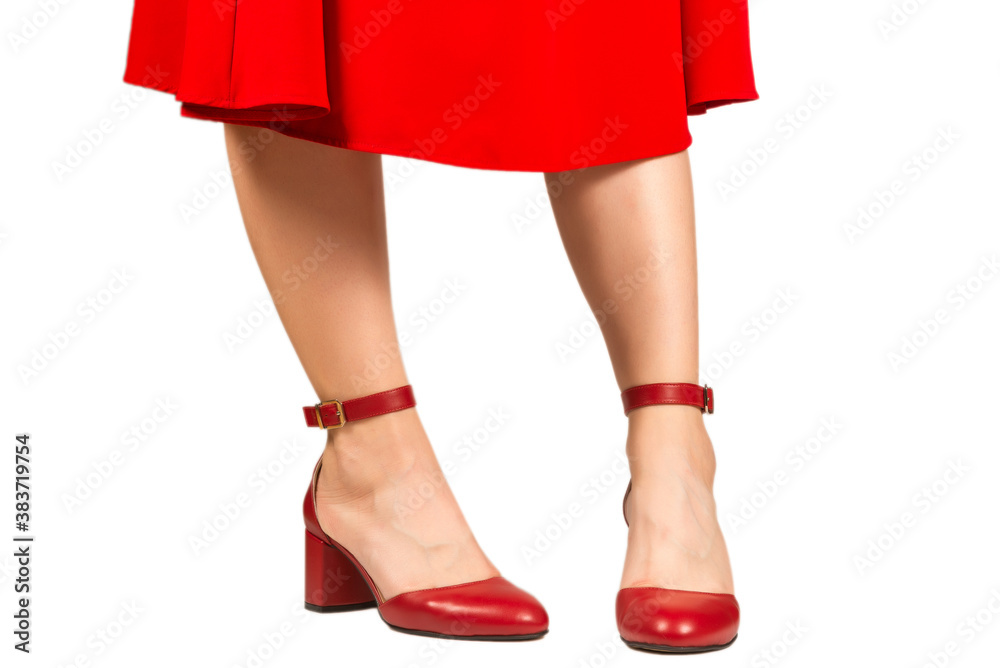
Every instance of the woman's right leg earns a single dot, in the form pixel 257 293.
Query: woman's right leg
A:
pixel 381 493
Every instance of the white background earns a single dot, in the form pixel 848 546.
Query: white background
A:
pixel 825 358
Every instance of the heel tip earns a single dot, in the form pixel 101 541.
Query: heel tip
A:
pixel 312 607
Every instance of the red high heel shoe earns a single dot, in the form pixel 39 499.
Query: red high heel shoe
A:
pixel 674 620
pixel 490 609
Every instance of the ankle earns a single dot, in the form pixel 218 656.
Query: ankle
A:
pixel 385 446
pixel 672 439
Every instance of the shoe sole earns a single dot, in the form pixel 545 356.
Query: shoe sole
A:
pixel 432 634
pixel 670 649
pixel 341 608
pixel 325 609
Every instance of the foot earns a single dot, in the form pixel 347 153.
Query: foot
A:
pixel 382 495
pixel 674 537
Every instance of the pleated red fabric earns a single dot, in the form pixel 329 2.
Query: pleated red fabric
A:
pixel 549 85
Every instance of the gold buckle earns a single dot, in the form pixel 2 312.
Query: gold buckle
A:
pixel 340 414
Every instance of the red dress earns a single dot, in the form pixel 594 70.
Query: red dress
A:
pixel 550 85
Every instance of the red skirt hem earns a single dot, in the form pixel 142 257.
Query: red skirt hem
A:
pixel 550 86
pixel 458 160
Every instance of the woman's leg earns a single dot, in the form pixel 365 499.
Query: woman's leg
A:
pixel 381 492
pixel 629 232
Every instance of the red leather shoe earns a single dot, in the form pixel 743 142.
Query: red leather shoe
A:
pixel 490 609
pixel 674 620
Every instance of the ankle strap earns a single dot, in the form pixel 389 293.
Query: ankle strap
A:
pixel 334 414
pixel 686 394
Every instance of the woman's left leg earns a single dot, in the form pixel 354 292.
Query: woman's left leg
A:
pixel 628 229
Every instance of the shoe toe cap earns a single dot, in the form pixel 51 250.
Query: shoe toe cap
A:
pixel 492 607
pixel 674 618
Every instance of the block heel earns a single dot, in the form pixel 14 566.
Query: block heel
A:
pixel 333 582
pixel 489 609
